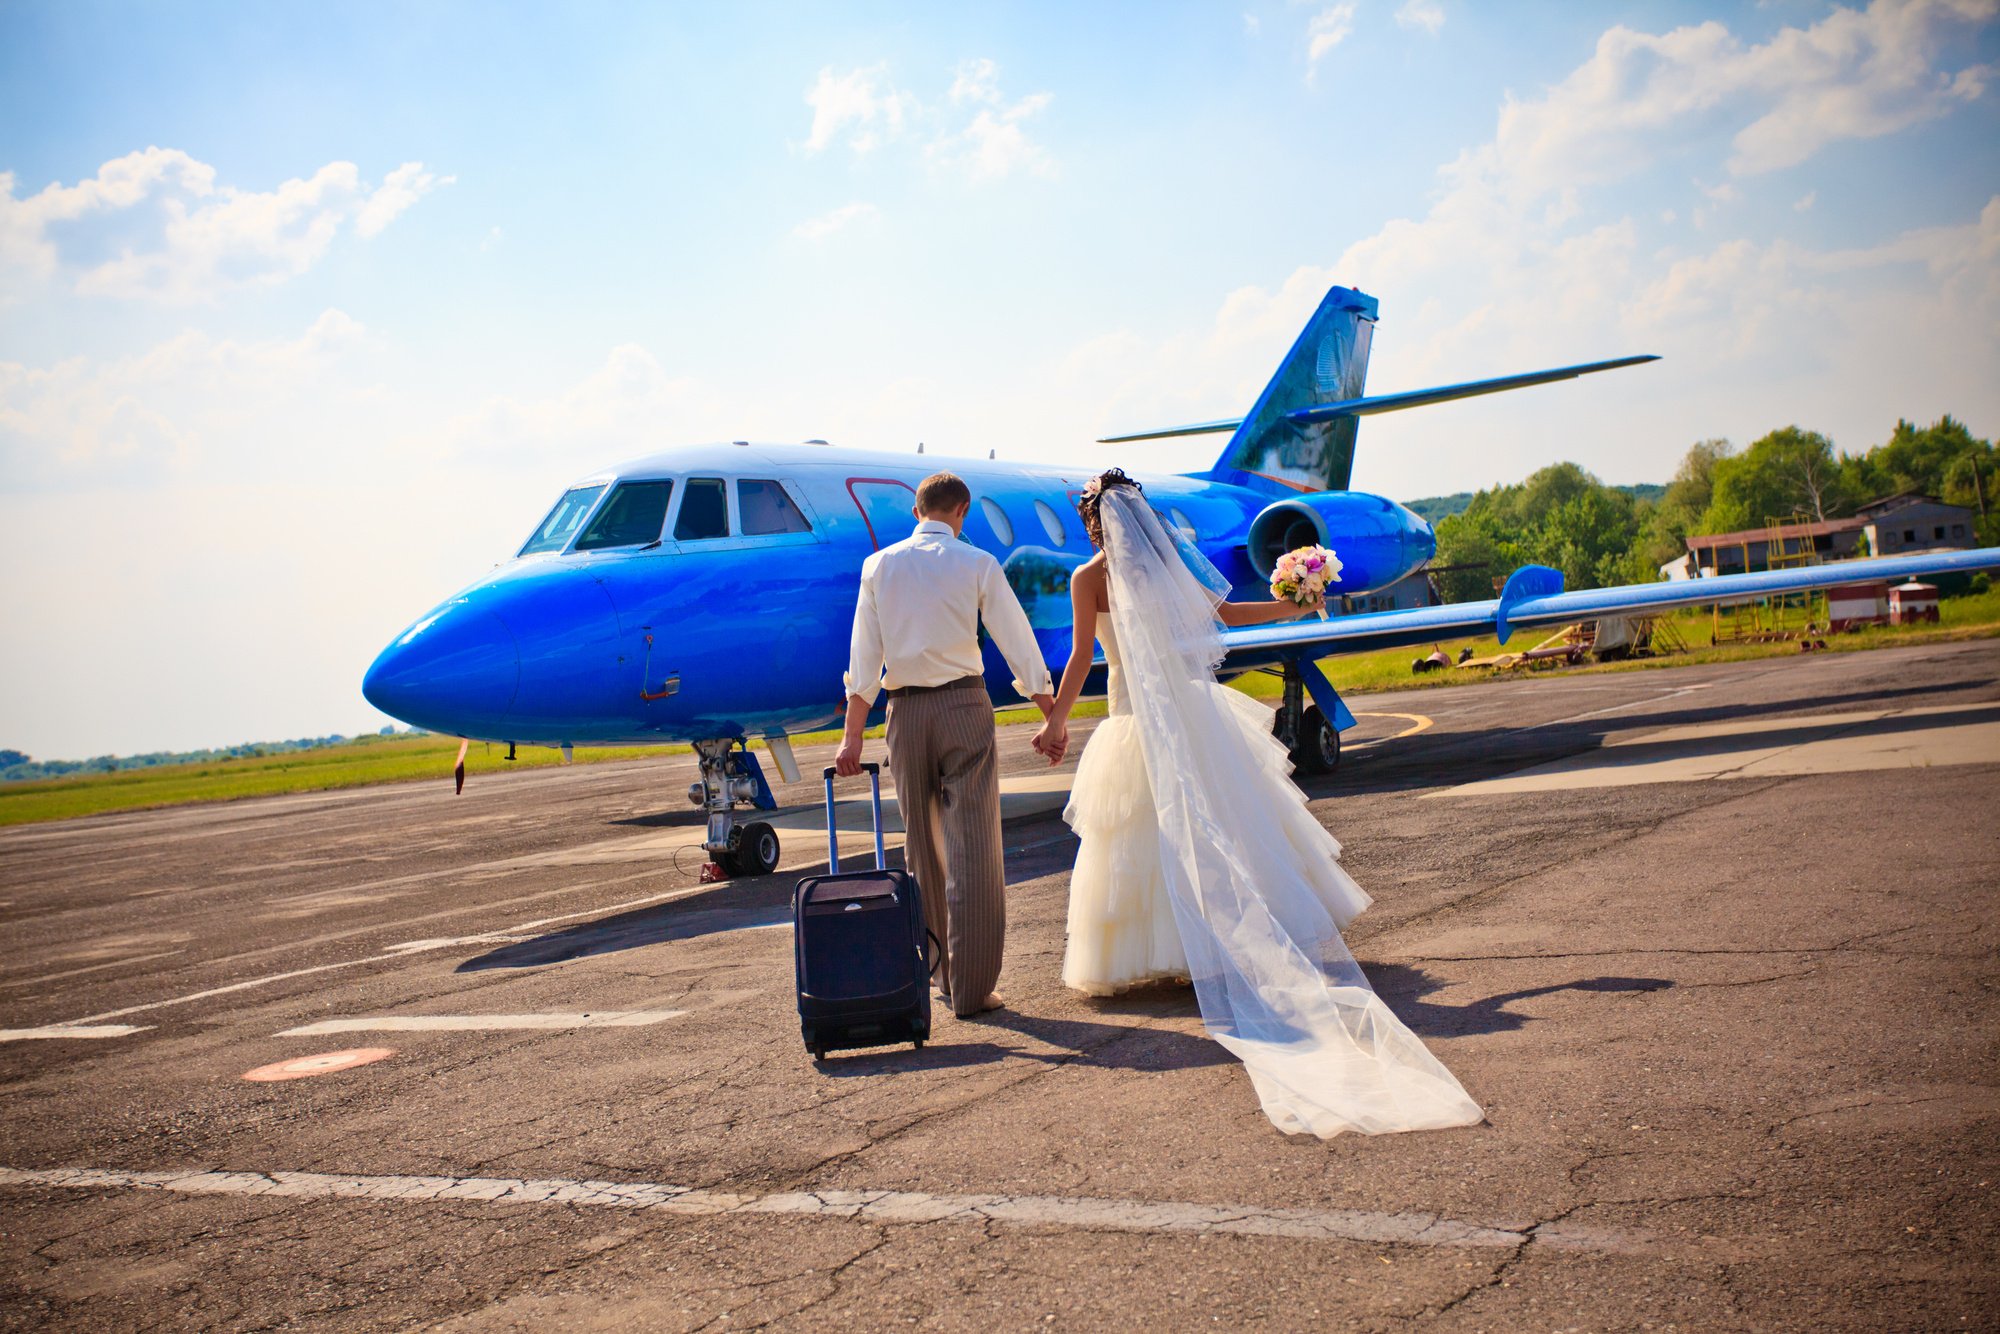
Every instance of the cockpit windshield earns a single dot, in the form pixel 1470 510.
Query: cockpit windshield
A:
pixel 634 516
pixel 563 520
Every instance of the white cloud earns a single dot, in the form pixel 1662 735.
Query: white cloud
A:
pixel 1325 31
pixel 1852 75
pixel 995 144
pixel 1252 25
pixel 975 130
pixel 826 224
pixel 244 523
pixel 856 105
pixel 189 403
pixel 401 188
pixel 976 81
pixel 626 407
pixel 1425 14
pixel 195 238
pixel 1523 260
pixel 1804 203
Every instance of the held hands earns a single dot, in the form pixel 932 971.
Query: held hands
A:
pixel 1053 737
pixel 1052 740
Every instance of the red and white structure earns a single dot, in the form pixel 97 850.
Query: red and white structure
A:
pixel 1852 606
pixel 1913 602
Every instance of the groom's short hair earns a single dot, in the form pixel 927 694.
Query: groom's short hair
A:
pixel 941 493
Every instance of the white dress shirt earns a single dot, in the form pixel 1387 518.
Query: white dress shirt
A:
pixel 919 612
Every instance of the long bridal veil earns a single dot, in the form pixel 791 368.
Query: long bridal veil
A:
pixel 1277 985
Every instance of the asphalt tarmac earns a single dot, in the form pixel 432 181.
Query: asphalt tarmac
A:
pixel 1714 947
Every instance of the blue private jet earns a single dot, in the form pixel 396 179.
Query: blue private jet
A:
pixel 705 594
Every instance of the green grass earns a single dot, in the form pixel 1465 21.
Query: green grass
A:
pixel 370 760
pixel 357 763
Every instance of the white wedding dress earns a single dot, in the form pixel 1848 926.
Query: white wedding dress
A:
pixel 1121 919
pixel 1199 860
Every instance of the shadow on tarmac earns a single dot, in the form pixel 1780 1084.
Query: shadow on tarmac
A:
pixel 1489 752
pixel 1403 989
pixel 1112 1046
pixel 743 905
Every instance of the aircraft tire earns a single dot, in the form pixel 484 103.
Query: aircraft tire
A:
pixel 757 852
pixel 1318 751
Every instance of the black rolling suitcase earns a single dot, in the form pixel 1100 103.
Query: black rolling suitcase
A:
pixel 858 940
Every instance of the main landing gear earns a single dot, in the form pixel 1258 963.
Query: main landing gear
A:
pixel 730 777
pixel 1304 728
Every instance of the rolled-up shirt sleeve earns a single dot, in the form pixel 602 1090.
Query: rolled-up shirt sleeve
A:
pixel 1008 625
pixel 864 656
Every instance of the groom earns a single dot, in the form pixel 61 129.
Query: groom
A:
pixel 916 632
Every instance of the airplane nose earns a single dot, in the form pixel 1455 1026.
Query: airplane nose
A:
pixel 455 671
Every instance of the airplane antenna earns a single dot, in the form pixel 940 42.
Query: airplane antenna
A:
pixel 920 446
pixel 991 454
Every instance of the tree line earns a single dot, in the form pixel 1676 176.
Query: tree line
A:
pixel 1599 535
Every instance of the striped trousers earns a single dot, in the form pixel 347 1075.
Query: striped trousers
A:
pixel 942 753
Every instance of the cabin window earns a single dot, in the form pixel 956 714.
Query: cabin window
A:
pixel 1181 521
pixel 632 517
pixel 996 519
pixel 1909 535
pixel 1052 523
pixel 704 511
pixel 1937 532
pixel 563 520
pixel 763 508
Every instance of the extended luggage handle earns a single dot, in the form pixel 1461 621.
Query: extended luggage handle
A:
pixel 874 772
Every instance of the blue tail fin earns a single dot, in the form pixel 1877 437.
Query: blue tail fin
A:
pixel 1328 364
pixel 1300 436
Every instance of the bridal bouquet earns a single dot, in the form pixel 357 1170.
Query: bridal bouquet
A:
pixel 1303 575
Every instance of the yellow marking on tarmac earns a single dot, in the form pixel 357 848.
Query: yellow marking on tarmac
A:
pixel 1769 748
pixel 1417 723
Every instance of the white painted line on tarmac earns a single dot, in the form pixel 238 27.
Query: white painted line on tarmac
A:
pixel 394 952
pixel 473 1023
pixel 70 1031
pixel 886 1207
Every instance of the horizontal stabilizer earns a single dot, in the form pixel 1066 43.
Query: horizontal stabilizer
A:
pixel 1199 428
pixel 1414 398
pixel 1417 398
pixel 1534 598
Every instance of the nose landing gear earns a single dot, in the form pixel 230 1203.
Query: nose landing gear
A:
pixel 731 777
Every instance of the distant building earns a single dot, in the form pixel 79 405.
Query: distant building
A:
pixel 1412 590
pixel 1911 522
pixel 1891 526
pixel 1747 550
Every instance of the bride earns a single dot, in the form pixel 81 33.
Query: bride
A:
pixel 1198 858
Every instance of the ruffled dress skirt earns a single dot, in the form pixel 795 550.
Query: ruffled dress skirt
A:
pixel 1122 932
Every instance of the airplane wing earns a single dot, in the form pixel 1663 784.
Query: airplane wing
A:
pixel 1534 596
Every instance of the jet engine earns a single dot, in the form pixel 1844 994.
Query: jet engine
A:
pixel 1377 540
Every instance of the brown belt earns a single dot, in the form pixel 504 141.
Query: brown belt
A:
pixel 962 683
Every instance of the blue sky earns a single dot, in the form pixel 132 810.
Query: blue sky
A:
pixel 306 312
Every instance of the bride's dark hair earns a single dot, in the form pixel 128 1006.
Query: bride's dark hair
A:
pixel 1093 492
